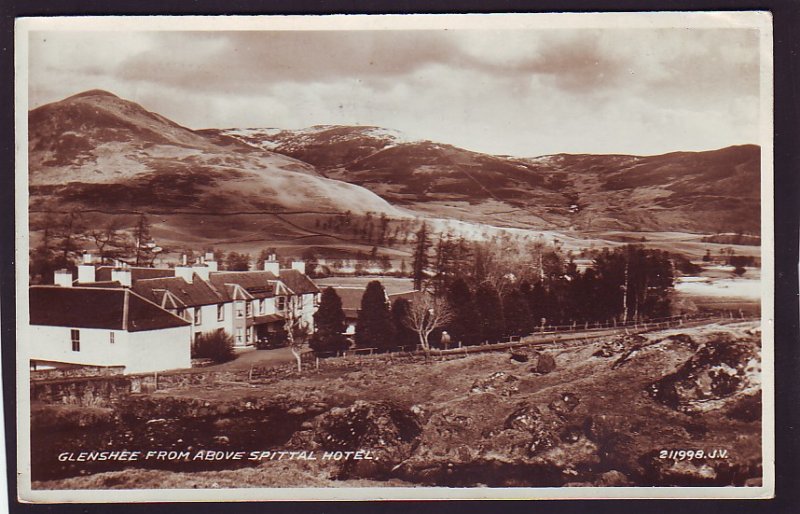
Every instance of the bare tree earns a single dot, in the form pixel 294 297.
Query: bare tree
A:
pixel 296 333
pixel 110 241
pixel 427 313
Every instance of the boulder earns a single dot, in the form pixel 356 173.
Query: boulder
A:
pixel 542 363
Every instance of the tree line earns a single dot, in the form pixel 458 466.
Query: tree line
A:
pixel 469 295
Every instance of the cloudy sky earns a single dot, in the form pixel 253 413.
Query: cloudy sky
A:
pixel 517 92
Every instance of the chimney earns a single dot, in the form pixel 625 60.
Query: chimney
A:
pixel 63 278
pixel 184 260
pixel 209 256
pixel 202 271
pixel 184 272
pixel 272 265
pixel 86 270
pixel 299 266
pixel 123 276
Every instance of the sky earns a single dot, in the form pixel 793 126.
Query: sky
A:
pixel 501 91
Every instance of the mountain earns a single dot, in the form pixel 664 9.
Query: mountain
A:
pixel 95 150
pixel 710 191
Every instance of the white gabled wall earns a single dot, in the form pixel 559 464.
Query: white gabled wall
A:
pixel 55 344
pixel 150 350
pixel 158 350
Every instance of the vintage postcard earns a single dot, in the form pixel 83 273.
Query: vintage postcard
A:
pixel 395 257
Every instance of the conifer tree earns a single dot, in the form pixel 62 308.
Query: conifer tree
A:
pixel 330 324
pixel 374 328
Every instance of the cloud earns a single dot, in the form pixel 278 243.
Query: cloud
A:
pixel 523 92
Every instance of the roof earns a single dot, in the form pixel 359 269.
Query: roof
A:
pixel 268 318
pixel 103 273
pixel 93 307
pixel 198 292
pixel 107 284
pixel 407 295
pixel 351 298
pixel 259 284
pixel 298 282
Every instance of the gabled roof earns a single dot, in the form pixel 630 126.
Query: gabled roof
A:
pixel 298 282
pixel 103 273
pixel 351 298
pixel 93 307
pixel 259 284
pixel 194 294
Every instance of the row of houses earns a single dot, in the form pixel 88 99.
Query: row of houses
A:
pixel 146 319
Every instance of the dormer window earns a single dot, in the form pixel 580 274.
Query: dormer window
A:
pixel 281 303
pixel 221 312
pixel 198 316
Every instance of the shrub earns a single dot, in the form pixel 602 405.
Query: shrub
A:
pixel 217 346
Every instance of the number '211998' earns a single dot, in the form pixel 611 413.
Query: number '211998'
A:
pixel 693 454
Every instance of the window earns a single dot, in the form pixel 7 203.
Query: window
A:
pixel 75 335
pixel 263 307
pixel 111 337
pixel 182 313
pixel 197 336
pixel 239 335
pixel 249 309
pixel 281 303
pixel 239 309
pixel 220 312
pixel 198 318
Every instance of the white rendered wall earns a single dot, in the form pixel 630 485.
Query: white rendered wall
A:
pixel 55 344
pixel 159 350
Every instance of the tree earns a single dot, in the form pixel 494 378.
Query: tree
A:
pixel 142 242
pixel 110 241
pixel 237 261
pixel 374 328
pixel 296 333
pixel 403 336
pixel 518 318
pixel 490 314
pixel 419 261
pixel 463 327
pixel 330 323
pixel 310 259
pixel 426 314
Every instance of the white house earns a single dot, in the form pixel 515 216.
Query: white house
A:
pixel 249 305
pixel 100 326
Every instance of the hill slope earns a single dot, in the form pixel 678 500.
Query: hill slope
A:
pixel 709 191
pixel 96 150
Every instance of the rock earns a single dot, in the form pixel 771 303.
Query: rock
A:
pixel 565 404
pixel 500 382
pixel 612 478
pixel 530 421
pixel 747 408
pixel 543 363
pixel 388 429
pixel 519 355
pixel 719 373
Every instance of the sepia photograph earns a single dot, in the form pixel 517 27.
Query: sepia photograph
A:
pixel 394 257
